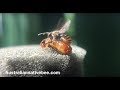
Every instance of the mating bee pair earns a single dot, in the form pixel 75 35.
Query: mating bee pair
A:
pixel 58 40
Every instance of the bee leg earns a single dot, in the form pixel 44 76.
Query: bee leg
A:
pixel 43 33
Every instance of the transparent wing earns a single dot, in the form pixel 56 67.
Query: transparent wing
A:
pixel 60 24
pixel 65 26
pixel 62 27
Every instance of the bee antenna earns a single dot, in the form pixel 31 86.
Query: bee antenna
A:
pixel 43 33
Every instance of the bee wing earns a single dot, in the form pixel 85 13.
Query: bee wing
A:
pixel 60 24
pixel 62 27
pixel 65 27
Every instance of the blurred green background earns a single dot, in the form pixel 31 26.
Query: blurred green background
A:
pixel 98 33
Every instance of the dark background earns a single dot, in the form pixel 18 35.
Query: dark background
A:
pixel 98 33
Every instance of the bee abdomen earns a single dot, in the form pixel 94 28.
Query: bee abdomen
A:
pixel 68 38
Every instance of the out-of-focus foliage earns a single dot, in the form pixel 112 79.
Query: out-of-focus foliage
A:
pixel 98 33
pixel 20 28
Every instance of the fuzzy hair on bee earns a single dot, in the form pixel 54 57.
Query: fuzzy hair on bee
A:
pixel 58 39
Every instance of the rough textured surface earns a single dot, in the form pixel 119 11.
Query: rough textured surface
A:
pixel 34 58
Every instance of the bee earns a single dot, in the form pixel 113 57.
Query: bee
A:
pixel 58 39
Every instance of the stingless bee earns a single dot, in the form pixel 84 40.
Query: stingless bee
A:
pixel 58 39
